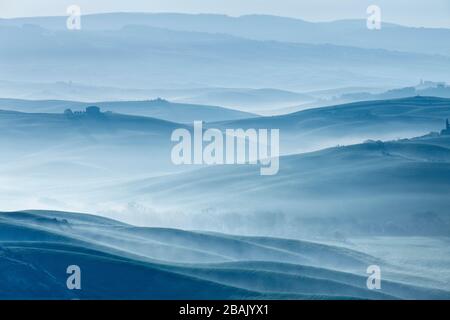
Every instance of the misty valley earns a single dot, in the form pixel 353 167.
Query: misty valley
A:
pixel 200 157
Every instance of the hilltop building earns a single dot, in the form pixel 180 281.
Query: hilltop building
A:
pixel 446 131
pixel 91 111
pixel 430 84
pixel 159 101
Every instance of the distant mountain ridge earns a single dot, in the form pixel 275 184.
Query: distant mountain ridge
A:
pixel 350 123
pixel 149 57
pixel 267 27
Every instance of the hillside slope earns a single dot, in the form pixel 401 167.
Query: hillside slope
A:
pixel 158 108
pixel 351 123
pixel 36 247
pixel 384 188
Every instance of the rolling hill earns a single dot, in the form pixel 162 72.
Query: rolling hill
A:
pixel 318 128
pixel 157 108
pixel 245 99
pixel 360 184
pixel 38 246
pixel 374 188
pixel 58 154
pixel 54 159
pixel 145 57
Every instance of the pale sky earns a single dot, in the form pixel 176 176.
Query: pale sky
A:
pixel 426 13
